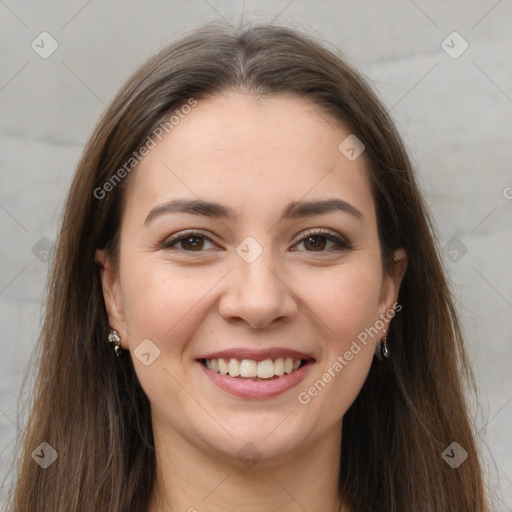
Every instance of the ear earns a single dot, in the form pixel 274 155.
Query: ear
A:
pixel 392 281
pixel 112 294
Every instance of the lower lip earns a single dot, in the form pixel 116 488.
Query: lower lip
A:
pixel 255 389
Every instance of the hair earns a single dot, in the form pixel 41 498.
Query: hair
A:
pixel 89 405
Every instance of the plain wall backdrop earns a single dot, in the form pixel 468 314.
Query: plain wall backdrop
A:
pixel 443 69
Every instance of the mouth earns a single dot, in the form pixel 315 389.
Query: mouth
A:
pixel 253 370
pixel 256 379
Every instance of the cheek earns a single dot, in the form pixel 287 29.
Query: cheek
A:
pixel 347 301
pixel 161 299
pixel 345 298
pixel 162 304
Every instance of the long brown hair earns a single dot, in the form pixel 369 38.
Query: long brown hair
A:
pixel 89 406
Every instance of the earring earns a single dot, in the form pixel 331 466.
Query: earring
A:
pixel 113 337
pixel 382 349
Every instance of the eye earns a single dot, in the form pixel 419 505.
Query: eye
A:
pixel 317 240
pixel 192 241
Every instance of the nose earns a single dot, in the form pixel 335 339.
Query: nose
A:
pixel 256 294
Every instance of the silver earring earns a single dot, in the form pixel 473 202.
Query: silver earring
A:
pixel 382 349
pixel 113 337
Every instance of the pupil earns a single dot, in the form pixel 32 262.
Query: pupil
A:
pixel 193 242
pixel 316 241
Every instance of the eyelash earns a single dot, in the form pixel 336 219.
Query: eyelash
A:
pixel 342 245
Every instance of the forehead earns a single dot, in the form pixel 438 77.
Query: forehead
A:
pixel 253 154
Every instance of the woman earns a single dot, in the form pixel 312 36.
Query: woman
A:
pixel 247 309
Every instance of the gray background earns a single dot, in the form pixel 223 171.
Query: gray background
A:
pixel 454 114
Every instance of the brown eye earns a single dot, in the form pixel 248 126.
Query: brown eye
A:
pixel 323 242
pixel 187 242
pixel 316 243
pixel 192 243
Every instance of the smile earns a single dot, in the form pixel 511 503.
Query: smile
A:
pixel 265 375
pixel 252 369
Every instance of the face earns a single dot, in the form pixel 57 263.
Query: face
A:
pixel 276 264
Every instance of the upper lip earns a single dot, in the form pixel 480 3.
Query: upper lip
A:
pixel 256 355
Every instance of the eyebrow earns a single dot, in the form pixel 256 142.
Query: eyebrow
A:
pixel 294 210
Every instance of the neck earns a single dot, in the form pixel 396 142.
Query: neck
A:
pixel 195 480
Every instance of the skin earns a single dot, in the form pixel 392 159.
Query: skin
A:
pixel 254 156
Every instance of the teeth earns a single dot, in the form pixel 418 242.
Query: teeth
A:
pixel 265 369
pixel 279 366
pixel 250 368
pixel 234 368
pixel 223 367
